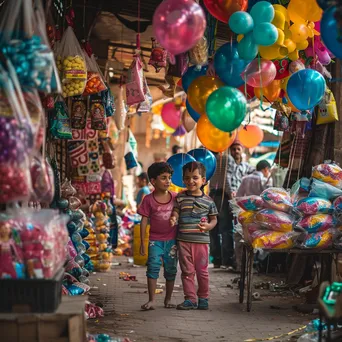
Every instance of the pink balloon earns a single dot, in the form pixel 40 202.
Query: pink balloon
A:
pixel 259 76
pixel 178 25
pixel 171 115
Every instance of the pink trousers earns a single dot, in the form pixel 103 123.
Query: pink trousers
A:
pixel 193 260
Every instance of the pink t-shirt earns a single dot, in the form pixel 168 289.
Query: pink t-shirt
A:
pixel 159 215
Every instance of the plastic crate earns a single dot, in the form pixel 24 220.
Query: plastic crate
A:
pixel 31 295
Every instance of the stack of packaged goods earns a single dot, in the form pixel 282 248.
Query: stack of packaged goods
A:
pixel 308 217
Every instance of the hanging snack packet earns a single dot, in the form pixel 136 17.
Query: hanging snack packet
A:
pixel 61 124
pixel 108 99
pixel 71 64
pixel 95 82
pixel 158 56
pixel 121 111
pixel 79 109
pixel 97 113
pixel 135 82
pixel 327 109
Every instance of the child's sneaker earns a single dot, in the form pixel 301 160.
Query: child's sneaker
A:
pixel 187 305
pixel 203 304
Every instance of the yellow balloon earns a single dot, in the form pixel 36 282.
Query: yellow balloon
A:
pixel 211 137
pixel 269 52
pixel 199 91
pixel 301 11
pixel 290 45
pixel 281 37
pixel 168 129
pixel 279 20
pixel 299 32
pixel 283 10
pixel 176 189
pixel 294 55
pixel 302 45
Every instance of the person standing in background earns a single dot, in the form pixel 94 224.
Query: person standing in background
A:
pixel 142 183
pixel 176 149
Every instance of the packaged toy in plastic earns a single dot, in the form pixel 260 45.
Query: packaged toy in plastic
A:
pixel 324 190
pixel 274 220
pixel 273 240
pixel 328 173
pixel 319 240
pixel 313 205
pixel 316 223
pixel 278 199
pixel 252 203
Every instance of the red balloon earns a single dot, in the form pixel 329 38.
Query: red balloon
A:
pixel 223 9
pixel 249 89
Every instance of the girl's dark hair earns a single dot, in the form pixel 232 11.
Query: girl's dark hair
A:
pixel 156 169
pixel 192 166
pixel 143 176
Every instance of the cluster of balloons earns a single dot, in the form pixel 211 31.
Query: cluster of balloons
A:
pixel 177 161
pixel 256 28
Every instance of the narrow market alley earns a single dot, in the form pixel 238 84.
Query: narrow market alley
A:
pixel 227 320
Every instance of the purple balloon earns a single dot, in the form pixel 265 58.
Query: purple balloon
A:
pixel 179 131
pixel 178 25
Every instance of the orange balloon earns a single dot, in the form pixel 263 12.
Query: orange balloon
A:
pixel 269 93
pixel 250 136
pixel 211 137
pixel 199 91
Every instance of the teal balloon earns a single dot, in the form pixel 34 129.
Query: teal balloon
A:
pixel 329 32
pixel 192 111
pixel 305 88
pixel 241 22
pixel 229 65
pixel 226 108
pixel 247 49
pixel 192 73
pixel 262 12
pixel 265 34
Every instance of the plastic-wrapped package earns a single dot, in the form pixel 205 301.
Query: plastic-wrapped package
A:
pixel 71 64
pixel 278 199
pixel 199 53
pixel 313 205
pixel 324 190
pixel 97 112
pixel 121 110
pixel 250 203
pixel 273 240
pixel 245 217
pixel 60 127
pixel 16 140
pixel 274 220
pixel 328 173
pixel 300 189
pixel 95 82
pixel 316 223
pixel 337 205
pixel 134 86
pixel 79 108
pixel 158 56
pixel 108 99
pixel 319 240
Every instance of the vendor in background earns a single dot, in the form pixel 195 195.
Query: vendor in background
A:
pixel 142 183
pixel 176 149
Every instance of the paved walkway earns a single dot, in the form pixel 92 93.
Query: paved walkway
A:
pixel 227 320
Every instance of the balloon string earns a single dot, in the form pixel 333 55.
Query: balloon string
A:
pixel 261 92
pixel 292 155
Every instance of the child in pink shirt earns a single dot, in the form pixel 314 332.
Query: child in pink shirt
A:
pixel 156 208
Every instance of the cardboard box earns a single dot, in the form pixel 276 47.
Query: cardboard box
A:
pixel 67 324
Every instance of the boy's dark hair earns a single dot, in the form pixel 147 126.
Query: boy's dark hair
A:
pixel 156 169
pixel 175 149
pixel 263 164
pixel 192 166
pixel 143 176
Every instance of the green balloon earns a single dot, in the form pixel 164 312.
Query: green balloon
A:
pixel 226 108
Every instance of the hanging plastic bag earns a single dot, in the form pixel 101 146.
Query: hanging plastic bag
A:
pixel 135 82
pixel 146 106
pixel 327 109
pixel 72 65
pixel 79 109
pixel 97 112
pixel 130 159
pixel 121 110
pixel 95 81
pixel 16 139
pixel 60 127
pixel 107 156
pixel 328 173
pixel 158 56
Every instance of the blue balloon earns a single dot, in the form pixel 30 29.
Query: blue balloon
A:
pixel 207 158
pixel 192 112
pixel 177 161
pixel 229 65
pixel 324 4
pixel 265 34
pixel 192 73
pixel 241 22
pixel 329 32
pixel 306 88
pixel 262 12
pixel 247 49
